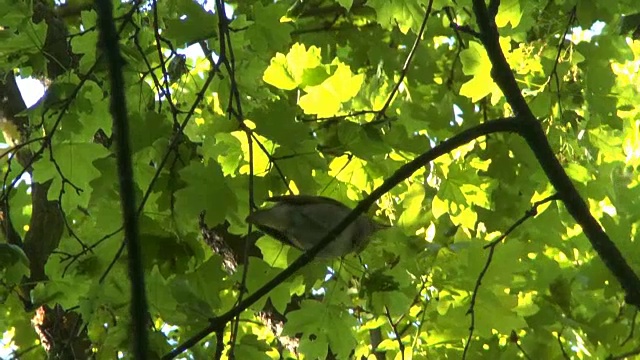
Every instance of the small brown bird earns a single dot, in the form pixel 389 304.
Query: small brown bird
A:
pixel 303 220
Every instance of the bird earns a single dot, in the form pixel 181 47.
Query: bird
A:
pixel 302 221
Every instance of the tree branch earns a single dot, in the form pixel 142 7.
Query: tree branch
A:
pixel 531 130
pixel 109 38
pixel 403 173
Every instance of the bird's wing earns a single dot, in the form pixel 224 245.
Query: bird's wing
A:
pixel 279 235
pixel 277 226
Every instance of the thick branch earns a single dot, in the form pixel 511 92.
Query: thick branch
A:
pixel 531 130
pixel 109 38
pixel 403 173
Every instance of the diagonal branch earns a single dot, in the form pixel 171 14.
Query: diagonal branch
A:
pixel 533 133
pixel 403 173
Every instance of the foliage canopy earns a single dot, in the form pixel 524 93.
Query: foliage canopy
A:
pixel 500 140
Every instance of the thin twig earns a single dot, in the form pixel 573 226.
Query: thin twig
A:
pixel 397 334
pixel 533 211
pixel 407 62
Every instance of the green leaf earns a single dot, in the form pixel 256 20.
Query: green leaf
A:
pixel 14 263
pixel 72 169
pixel 287 72
pixel 193 23
pixel 279 75
pixel 502 317
pixel 93 115
pixel 274 252
pixel 413 207
pixel 327 98
pixel 268 31
pixel 578 173
pixel 29 39
pixel 277 122
pixel 207 191
pixel 404 14
pixel 346 4
pixel 322 325
pixel 509 12
pixel 475 62
pixel 260 272
pixel 147 129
